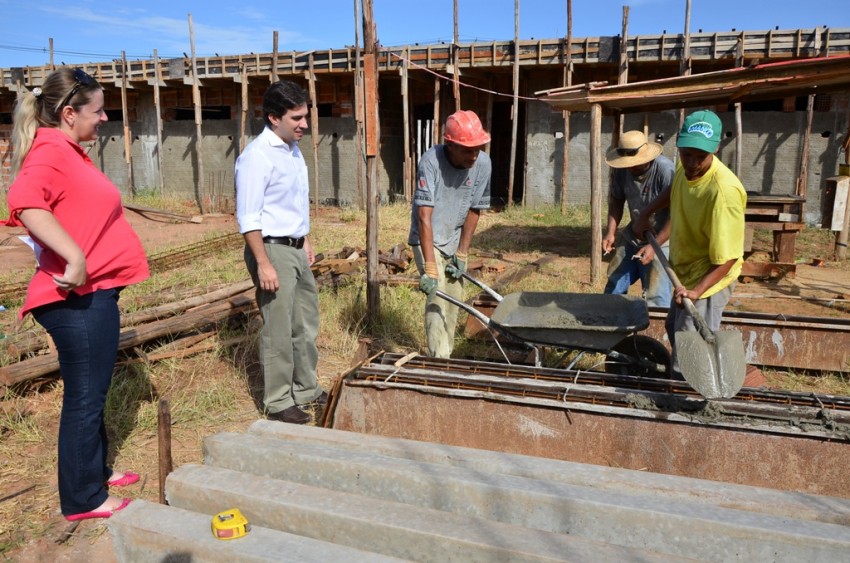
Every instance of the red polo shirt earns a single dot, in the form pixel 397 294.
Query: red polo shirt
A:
pixel 59 177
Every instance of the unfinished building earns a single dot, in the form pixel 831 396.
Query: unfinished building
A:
pixel 157 107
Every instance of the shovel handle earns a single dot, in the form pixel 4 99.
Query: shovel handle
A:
pixel 702 327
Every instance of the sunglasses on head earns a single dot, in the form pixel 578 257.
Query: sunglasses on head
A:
pixel 81 79
pixel 629 152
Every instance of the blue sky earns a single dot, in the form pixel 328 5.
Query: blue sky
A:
pixel 85 31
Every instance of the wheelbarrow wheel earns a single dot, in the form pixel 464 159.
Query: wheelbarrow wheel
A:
pixel 643 347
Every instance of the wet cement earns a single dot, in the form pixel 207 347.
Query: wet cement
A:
pixel 710 412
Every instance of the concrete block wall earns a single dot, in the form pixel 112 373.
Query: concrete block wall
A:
pixel 5 156
pixel 772 148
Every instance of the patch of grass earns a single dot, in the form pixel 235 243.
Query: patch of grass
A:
pixel 150 197
pixel 822 383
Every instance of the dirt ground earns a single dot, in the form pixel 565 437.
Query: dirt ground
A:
pixel 806 294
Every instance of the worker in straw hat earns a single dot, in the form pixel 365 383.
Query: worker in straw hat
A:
pixel 640 174
pixel 452 187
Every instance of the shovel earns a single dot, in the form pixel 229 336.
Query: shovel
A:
pixel 713 363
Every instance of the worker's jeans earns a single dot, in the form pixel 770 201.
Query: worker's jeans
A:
pixel 440 315
pixel 288 349
pixel 623 271
pixel 85 330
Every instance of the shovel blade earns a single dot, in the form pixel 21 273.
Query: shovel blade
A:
pixel 715 371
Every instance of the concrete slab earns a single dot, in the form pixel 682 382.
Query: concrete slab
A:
pixel 640 521
pixel 389 528
pixel 152 533
pixel 761 500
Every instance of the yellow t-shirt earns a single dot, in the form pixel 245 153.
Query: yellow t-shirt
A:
pixel 707 225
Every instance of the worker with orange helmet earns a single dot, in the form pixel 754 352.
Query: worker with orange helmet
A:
pixel 453 186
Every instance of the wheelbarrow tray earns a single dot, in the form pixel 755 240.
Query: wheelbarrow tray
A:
pixel 570 320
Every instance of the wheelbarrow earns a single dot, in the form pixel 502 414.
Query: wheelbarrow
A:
pixel 584 322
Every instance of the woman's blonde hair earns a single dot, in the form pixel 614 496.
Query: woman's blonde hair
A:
pixel 42 107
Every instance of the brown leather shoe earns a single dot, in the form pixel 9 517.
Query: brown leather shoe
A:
pixel 292 415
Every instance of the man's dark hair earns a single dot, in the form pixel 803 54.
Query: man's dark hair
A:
pixel 280 97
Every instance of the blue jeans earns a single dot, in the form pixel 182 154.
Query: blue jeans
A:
pixel 85 330
pixel 623 272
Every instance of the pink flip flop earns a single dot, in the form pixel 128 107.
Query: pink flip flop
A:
pixel 128 479
pixel 98 514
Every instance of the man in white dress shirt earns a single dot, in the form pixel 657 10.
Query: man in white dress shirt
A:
pixel 273 212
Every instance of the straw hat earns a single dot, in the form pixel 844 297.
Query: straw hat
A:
pixel 632 150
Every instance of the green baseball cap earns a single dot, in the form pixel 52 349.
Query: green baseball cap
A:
pixel 701 130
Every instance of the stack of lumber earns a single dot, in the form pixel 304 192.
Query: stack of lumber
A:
pixel 338 267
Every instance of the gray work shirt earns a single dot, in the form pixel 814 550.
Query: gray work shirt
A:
pixel 639 192
pixel 452 192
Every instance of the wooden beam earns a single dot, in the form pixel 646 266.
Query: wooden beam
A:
pixel 568 81
pixel 200 191
pixel 243 117
pixel 358 106
pixel 274 57
pixel 514 107
pixel 456 70
pixel 739 119
pixel 158 109
pixel 314 135
pixel 405 118
pixel 373 288
pixel 595 193
pixel 623 77
pixel 803 179
pixel 435 136
pixel 128 142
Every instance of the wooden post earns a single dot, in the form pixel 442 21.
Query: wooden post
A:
pixel 623 77
pixel 164 442
pixel 373 289
pixel 157 78
pixel 739 118
pixel 274 58
pixel 243 118
pixel 685 63
pixel 568 81
pixel 128 142
pixel 803 179
pixel 488 116
pixel 435 130
pixel 200 191
pixel 405 118
pixel 515 107
pixel 358 105
pixel 595 193
pixel 456 72
pixel 314 134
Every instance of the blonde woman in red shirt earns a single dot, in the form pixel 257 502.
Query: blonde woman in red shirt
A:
pixel 86 252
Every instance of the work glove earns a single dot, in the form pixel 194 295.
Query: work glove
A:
pixel 428 282
pixel 457 265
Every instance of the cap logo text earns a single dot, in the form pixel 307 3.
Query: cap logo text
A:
pixel 703 128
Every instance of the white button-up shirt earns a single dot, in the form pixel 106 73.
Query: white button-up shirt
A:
pixel 272 189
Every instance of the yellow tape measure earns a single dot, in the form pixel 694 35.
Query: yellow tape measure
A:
pixel 230 524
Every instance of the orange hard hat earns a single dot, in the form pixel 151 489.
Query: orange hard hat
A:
pixel 464 128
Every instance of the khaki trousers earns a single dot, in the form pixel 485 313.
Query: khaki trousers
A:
pixel 288 349
pixel 440 315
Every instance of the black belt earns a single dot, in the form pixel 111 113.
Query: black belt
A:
pixel 286 241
